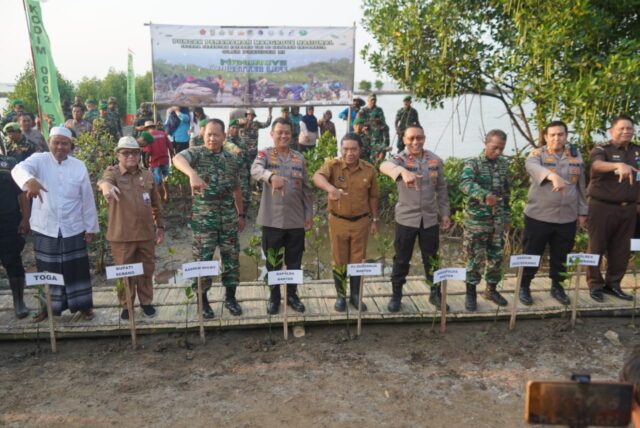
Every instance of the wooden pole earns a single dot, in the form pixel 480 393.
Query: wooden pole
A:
pixel 443 307
pixel 52 333
pixel 516 293
pixel 200 315
pixel 285 324
pixel 132 321
pixel 574 301
pixel 360 297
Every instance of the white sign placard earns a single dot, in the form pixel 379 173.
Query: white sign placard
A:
pixel 196 269
pixel 123 271
pixel 459 274
pixel 41 278
pixel 524 260
pixel 635 245
pixel 364 269
pixel 585 259
pixel 285 277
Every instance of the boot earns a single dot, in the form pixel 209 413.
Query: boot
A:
pixel 354 285
pixel 230 301
pixel 396 298
pixel 341 303
pixel 470 299
pixel 207 312
pixel 273 305
pixel 17 290
pixel 557 292
pixel 435 297
pixel 490 293
pixel 293 300
pixel 525 293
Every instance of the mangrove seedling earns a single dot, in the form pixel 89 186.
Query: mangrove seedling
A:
pixel 253 250
pixel 275 259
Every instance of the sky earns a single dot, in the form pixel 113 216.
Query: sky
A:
pixel 90 36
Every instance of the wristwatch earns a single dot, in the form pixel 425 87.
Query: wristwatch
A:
pixel 374 219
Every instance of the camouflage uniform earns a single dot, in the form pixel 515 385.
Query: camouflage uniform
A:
pixel 142 115
pixel 249 134
pixel 484 225
pixel 376 130
pixel 20 150
pixel 237 146
pixel 91 115
pixel 113 117
pixel 214 220
pixel 105 127
pixel 404 118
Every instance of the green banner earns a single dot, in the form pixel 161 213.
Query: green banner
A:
pixel 45 69
pixel 131 92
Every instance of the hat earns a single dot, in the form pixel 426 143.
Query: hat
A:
pixel 11 126
pixel 149 123
pixel 234 122
pixel 407 98
pixel 15 103
pixel 102 106
pixel 250 111
pixel 147 137
pixel 203 123
pixel 60 130
pixel 127 142
pixel 284 109
pixel 112 100
pixel 372 97
pixel 90 101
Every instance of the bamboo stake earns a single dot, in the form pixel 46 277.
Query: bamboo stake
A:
pixel 443 307
pixel 360 297
pixel 132 322
pixel 574 301
pixel 200 315
pixel 285 324
pixel 52 333
pixel 516 293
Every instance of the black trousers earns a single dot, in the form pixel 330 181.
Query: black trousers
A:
pixel 292 240
pixel 428 240
pixel 559 236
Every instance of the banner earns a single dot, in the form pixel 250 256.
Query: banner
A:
pixel 45 70
pixel 131 92
pixel 257 66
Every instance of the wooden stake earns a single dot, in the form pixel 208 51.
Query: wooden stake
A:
pixel 200 315
pixel 574 301
pixel 443 307
pixel 52 333
pixel 360 297
pixel 516 293
pixel 285 324
pixel 132 321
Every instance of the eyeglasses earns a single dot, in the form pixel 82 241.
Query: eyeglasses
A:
pixel 129 153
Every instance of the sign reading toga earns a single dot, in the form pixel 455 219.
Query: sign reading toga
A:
pixel 258 66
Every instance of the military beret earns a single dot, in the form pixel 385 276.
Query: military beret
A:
pixel 112 100
pixel 234 122
pixel 147 137
pixel 407 98
pixel 203 122
pixel 102 106
pixel 284 109
pixel 15 103
pixel 11 126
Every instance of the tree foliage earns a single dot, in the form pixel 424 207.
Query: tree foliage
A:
pixel 364 85
pixel 572 60
pixel 379 84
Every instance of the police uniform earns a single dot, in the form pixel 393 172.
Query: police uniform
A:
pixel 416 216
pixel 349 218
pixel 612 217
pixel 550 217
pixel 283 217
pixel 78 127
pixel 484 225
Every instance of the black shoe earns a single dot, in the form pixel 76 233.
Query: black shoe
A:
pixel 471 298
pixel 273 307
pixel 354 285
pixel 557 292
pixel 525 296
pixel 124 315
pixel 294 301
pixel 232 304
pixel 341 304
pixel 207 312
pixel 597 295
pixel 617 292
pixel 435 298
pixel 491 294
pixel 395 303
pixel 149 311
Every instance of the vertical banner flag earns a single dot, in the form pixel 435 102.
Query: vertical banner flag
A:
pixel 45 70
pixel 131 92
pixel 197 65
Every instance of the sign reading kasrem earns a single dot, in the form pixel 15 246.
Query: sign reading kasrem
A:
pixel 258 66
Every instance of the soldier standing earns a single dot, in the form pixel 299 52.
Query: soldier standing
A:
pixel 557 198
pixel 422 198
pixel 406 116
pixel 91 114
pixel 286 208
pixel 113 116
pixel 376 129
pixel 234 140
pixel 485 181
pixel 143 115
pixel 17 146
pixel 249 131
pixel 103 127
pixel 217 212
pixel 352 190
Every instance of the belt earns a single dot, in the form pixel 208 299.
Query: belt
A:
pixel 356 218
pixel 619 204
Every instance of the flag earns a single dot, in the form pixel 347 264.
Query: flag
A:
pixel 131 92
pixel 45 70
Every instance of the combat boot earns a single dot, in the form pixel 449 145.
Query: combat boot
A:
pixel 230 301
pixel 395 303
pixel 525 293
pixel 354 285
pixel 17 291
pixel 273 305
pixel 341 302
pixel 470 299
pixel 490 293
pixel 557 292
pixel 207 312
pixel 435 297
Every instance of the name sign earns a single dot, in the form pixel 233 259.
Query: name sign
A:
pixel 285 277
pixel 123 271
pixel 524 260
pixel 196 269
pixel 41 278
pixel 459 274
pixel 585 259
pixel 364 269
pixel 635 245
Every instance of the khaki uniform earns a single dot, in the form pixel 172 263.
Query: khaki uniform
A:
pixel 131 233
pixel 349 219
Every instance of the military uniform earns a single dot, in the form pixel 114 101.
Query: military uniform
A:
pixel 550 217
pixel 416 216
pixel 295 120
pixel 104 127
pixel 142 115
pixel 404 118
pixel 237 146
pixel 483 224
pixel 612 215
pixel 91 115
pixel 377 131
pixel 249 133
pixel 20 150
pixel 113 117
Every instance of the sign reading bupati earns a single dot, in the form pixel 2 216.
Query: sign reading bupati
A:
pixel 41 278
pixel 258 66
pixel 196 269
pixel 285 277
pixel 459 274
pixel 364 269
pixel 124 271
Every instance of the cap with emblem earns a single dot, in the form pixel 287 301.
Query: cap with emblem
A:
pixel 234 122
pixel 16 103
pixel 407 99
pixel 11 127
pixel 90 101
pixel 103 106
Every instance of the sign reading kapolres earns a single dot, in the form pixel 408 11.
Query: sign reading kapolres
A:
pixel 257 66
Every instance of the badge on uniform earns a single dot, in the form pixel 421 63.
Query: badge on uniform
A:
pixel 146 198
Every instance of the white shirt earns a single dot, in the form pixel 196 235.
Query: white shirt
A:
pixel 68 206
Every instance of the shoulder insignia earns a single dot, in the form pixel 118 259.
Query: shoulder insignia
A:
pixel 262 154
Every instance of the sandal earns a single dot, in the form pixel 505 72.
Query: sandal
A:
pixel 87 315
pixel 40 316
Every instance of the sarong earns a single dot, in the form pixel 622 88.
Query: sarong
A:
pixel 69 257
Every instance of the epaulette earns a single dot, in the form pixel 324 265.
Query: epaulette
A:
pixel 535 152
pixel 262 154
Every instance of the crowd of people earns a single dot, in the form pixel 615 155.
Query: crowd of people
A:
pixel 221 159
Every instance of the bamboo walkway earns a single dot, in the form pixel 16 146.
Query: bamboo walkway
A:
pixel 318 296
